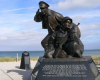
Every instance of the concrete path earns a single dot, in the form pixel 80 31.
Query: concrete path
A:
pixel 11 71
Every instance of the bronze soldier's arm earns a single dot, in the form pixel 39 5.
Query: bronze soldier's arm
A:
pixel 59 52
pixel 51 42
pixel 59 18
pixel 38 16
pixel 51 48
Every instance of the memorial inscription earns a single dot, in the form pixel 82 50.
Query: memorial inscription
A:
pixel 64 70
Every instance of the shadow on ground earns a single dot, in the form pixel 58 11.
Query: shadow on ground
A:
pixel 25 73
pixel 17 67
pixel 98 68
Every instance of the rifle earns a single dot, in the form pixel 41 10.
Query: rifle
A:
pixel 59 53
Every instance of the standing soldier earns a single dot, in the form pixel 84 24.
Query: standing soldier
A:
pixel 50 20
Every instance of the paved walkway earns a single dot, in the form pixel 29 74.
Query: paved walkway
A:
pixel 11 71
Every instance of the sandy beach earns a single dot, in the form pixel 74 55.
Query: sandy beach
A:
pixel 11 71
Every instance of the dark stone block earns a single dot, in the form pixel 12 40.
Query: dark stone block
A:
pixel 63 59
pixel 93 66
pixel 65 69
pixel 86 60
pixel 25 61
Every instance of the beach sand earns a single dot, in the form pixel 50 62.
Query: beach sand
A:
pixel 11 71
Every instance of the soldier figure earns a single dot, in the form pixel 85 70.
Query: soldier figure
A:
pixel 50 20
pixel 66 41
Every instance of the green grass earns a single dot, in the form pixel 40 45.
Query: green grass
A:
pixel 9 59
pixel 34 59
pixel 96 59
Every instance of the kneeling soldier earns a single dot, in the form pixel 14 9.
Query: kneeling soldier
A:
pixel 66 41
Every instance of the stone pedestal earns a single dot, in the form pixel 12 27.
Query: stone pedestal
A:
pixel 66 69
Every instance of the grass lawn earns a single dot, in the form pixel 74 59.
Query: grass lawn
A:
pixel 9 59
pixel 96 59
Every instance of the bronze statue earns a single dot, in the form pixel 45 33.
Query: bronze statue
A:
pixel 50 20
pixel 65 43
pixel 62 41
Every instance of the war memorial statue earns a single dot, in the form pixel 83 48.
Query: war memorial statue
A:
pixel 63 58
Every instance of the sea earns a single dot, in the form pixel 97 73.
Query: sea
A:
pixel 41 53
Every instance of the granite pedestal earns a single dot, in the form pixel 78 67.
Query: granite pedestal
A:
pixel 65 69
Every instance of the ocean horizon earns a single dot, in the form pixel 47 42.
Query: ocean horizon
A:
pixel 13 54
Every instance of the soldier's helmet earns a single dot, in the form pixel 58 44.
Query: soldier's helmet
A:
pixel 43 4
pixel 66 18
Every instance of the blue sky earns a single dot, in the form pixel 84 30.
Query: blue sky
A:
pixel 19 31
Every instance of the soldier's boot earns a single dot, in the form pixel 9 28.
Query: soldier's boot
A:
pixel 69 56
pixel 78 54
pixel 49 54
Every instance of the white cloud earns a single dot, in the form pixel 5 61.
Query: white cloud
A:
pixel 78 19
pixel 75 5
pixel 3 38
pixel 23 38
pixel 90 26
pixel 90 34
pixel 5 30
pixel 14 22
pixel 87 14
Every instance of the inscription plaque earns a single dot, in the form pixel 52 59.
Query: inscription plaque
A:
pixel 64 70
pixel 68 70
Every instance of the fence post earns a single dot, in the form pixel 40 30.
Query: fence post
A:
pixel 17 57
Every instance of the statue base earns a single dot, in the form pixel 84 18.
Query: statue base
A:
pixel 65 69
